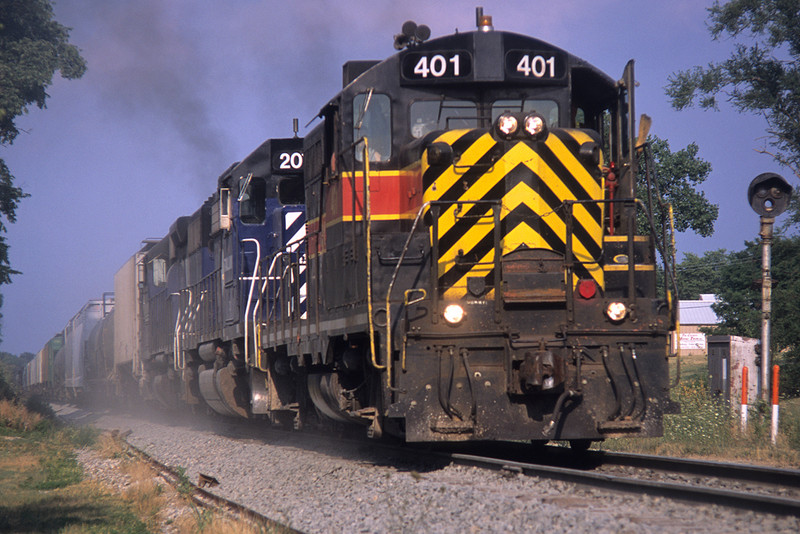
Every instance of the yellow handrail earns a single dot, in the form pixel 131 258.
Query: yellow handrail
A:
pixel 368 232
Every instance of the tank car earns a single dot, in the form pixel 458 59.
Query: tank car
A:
pixel 475 271
pixel 99 355
pixel 73 355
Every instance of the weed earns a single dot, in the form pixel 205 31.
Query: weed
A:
pixel 110 446
pixel 59 470
pixel 709 427
pixel 81 436
pixel 17 417
pixel 36 404
pixel 185 487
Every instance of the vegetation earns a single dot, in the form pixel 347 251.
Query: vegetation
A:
pixel 677 177
pixel 761 76
pixel 735 277
pixel 707 427
pixel 33 46
pixel 45 490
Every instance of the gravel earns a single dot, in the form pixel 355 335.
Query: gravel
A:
pixel 314 484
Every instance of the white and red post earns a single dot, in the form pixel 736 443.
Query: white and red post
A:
pixel 744 398
pixel 775 382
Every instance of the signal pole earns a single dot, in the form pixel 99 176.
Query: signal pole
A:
pixel 769 196
pixel 766 301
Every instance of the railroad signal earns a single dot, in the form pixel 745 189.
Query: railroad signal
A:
pixel 769 195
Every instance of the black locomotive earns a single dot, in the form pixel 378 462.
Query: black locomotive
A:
pixel 450 254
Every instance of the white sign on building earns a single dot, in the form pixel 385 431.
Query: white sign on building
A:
pixel 693 341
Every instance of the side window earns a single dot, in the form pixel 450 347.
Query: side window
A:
pixel 159 269
pixel 290 191
pixel 253 201
pixel 546 108
pixel 372 118
pixel 429 115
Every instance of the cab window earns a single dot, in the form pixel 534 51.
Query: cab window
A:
pixel 372 118
pixel 430 115
pixel 290 191
pixel 253 202
pixel 546 108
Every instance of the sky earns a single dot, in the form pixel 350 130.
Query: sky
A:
pixel 177 91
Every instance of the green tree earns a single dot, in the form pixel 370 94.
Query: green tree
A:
pixel 739 288
pixel 761 76
pixel 677 177
pixel 701 274
pixel 32 47
pixel 10 367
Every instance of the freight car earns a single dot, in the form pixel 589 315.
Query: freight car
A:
pixel 73 363
pixel 39 375
pixel 452 253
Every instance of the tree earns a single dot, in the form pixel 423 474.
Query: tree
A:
pixel 738 282
pixel 677 176
pixel 701 274
pixel 761 77
pixel 32 47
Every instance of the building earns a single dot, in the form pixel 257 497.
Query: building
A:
pixel 694 315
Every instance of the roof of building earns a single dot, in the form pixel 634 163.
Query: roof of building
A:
pixel 698 312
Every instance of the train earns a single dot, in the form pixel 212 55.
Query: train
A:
pixel 454 252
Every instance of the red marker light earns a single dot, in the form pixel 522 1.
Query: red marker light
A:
pixel 587 289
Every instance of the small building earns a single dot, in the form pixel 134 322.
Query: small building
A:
pixel 727 357
pixel 694 315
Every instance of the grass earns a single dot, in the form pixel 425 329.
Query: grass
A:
pixel 709 428
pixel 44 489
pixel 42 484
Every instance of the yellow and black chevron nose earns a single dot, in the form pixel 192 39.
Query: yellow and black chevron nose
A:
pixel 531 181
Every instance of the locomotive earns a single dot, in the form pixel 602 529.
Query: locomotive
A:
pixel 452 253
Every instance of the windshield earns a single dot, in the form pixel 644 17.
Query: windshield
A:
pixel 430 115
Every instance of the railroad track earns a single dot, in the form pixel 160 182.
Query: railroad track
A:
pixel 767 489
pixel 206 499
pixel 744 487
pixel 760 489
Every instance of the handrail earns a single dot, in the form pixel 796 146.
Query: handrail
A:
pixel 178 362
pixel 420 213
pixel 250 297
pixel 264 287
pixel 275 313
pixel 368 235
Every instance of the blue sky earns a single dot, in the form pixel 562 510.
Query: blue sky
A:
pixel 176 91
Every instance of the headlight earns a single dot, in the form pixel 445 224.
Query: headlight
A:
pixel 506 125
pixel 616 311
pixel 534 125
pixel 453 313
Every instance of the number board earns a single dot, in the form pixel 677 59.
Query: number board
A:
pixel 437 65
pixel 287 161
pixel 535 65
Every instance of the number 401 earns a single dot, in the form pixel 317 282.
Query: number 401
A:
pixel 437 66
pixel 537 66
